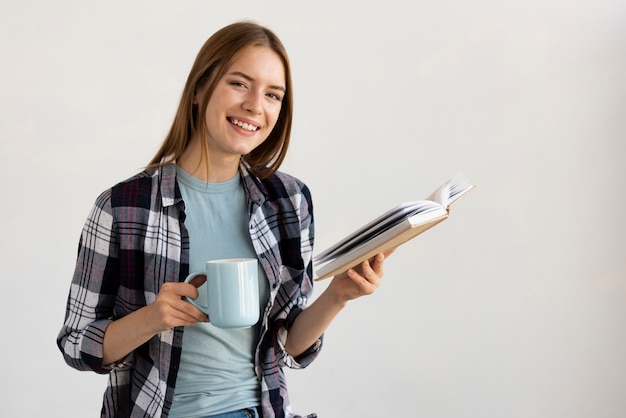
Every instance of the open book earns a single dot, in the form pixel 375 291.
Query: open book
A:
pixel 391 229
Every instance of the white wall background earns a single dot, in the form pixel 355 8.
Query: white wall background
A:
pixel 514 307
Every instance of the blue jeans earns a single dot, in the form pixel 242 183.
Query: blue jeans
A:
pixel 242 413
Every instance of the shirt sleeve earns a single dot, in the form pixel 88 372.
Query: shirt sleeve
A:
pixel 297 285
pixel 91 298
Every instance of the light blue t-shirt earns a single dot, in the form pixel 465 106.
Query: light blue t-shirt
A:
pixel 216 372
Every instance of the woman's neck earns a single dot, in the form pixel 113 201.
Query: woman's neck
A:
pixel 213 170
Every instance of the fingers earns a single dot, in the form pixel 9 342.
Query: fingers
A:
pixel 180 290
pixel 188 312
pixel 369 271
pixel 172 310
pixel 167 316
pixel 372 269
pixel 389 252
pixel 359 281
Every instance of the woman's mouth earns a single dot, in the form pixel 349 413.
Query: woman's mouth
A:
pixel 243 125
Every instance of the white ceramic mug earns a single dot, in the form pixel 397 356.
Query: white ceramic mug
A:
pixel 232 292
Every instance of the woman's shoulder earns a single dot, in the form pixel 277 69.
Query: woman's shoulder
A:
pixel 136 180
pixel 284 185
pixel 135 190
pixel 288 179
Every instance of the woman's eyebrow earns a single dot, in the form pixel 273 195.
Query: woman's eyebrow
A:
pixel 248 78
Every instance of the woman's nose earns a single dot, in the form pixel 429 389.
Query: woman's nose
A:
pixel 253 102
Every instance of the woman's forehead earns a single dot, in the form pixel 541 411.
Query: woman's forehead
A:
pixel 260 63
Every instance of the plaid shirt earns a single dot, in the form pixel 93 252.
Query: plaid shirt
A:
pixel 134 240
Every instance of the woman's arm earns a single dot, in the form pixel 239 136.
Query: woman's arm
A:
pixel 315 319
pixel 89 338
pixel 169 310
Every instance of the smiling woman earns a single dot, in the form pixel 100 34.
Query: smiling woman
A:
pixel 238 115
pixel 212 68
pixel 212 192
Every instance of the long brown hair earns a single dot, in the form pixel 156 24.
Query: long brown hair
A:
pixel 211 63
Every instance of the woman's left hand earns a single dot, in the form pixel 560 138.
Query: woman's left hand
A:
pixel 361 280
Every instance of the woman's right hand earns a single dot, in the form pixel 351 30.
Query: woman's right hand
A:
pixel 170 309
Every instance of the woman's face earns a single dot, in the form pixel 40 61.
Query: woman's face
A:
pixel 245 104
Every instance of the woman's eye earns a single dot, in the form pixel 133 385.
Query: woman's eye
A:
pixel 274 96
pixel 237 84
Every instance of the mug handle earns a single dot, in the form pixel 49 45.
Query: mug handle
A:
pixel 189 278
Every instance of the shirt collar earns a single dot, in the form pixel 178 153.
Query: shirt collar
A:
pixel 170 193
pixel 254 188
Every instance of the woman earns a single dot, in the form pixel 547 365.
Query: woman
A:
pixel 212 191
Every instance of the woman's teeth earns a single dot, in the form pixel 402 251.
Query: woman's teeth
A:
pixel 244 125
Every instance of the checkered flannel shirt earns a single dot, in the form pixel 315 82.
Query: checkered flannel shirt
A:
pixel 134 240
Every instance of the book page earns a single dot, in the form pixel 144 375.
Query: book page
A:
pixel 378 225
pixel 392 228
pixel 451 191
pixel 386 240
